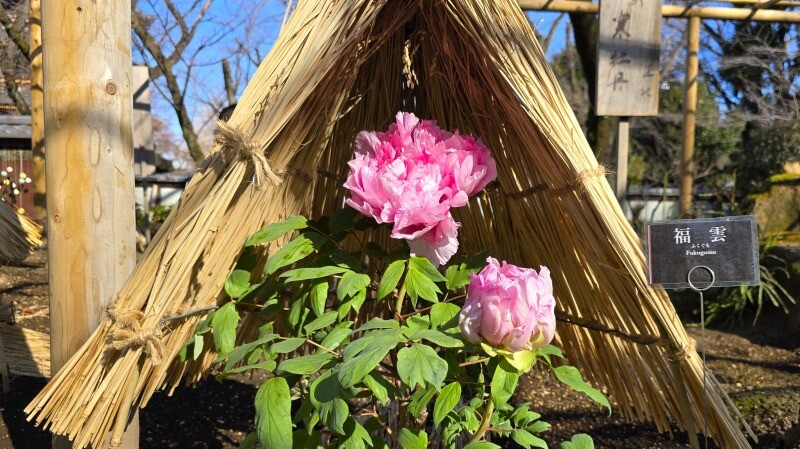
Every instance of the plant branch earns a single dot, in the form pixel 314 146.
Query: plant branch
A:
pixel 487 417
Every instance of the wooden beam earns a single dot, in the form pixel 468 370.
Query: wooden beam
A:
pixel 704 12
pixel 623 142
pixel 689 117
pixel 90 184
pixel 37 115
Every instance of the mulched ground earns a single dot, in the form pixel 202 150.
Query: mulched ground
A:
pixel 759 367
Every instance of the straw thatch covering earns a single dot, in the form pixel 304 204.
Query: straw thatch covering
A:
pixel 342 66
pixel 18 235
pixel 27 352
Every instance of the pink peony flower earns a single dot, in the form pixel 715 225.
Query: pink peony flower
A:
pixel 509 307
pixel 412 175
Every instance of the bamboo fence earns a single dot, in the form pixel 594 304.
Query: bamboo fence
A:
pixel 342 66
pixel 18 235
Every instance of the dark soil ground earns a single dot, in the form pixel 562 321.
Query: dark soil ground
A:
pixel 759 367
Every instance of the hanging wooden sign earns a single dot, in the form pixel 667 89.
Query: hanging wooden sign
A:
pixel 628 49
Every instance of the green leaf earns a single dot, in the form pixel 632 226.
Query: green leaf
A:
pixel 288 345
pixel 303 439
pixel 319 297
pixel 570 375
pixel 419 364
pixel 197 347
pixel 306 364
pixel 527 440
pixel 350 284
pixel 240 352
pixel 300 247
pixel 325 388
pixel 391 277
pixel 353 370
pixel 423 265
pixel 276 230
pixel 458 275
pixel 413 439
pixel 521 360
pixel 334 414
pixel 336 336
pixel 321 322
pixel 380 387
pixel 445 315
pixel 356 436
pixel 578 441
pixel 446 402
pixel 437 338
pixel 356 346
pixel 354 302
pixel 482 445
pixel 420 282
pixel 342 220
pixel 538 427
pixel 249 441
pixel 304 274
pixel 379 323
pixel 274 414
pixel 224 322
pixel 420 400
pixel 238 283
pixel 504 382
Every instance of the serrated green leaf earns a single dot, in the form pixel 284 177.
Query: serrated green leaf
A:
pixel 321 322
pixel 504 382
pixel 527 440
pixel 237 283
pixel 420 365
pixel 353 370
pixel 305 274
pixel 224 323
pixel 297 249
pixel 436 337
pixel 350 284
pixel 570 376
pixel 319 297
pixel 288 345
pixel 413 439
pixel 306 364
pixel 444 315
pixel 578 441
pixel 276 230
pixel 446 402
pixel 391 277
pixel 274 414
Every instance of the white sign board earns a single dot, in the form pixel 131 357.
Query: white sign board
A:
pixel 628 49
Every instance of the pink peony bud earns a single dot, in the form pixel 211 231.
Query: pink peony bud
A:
pixel 412 175
pixel 509 307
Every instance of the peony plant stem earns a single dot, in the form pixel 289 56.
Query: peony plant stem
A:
pixel 487 417
pixel 398 304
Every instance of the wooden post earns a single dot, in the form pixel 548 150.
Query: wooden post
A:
pixel 90 188
pixel 623 143
pixel 689 116
pixel 37 115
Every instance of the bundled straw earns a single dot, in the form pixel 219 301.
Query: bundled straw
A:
pixel 18 235
pixel 342 66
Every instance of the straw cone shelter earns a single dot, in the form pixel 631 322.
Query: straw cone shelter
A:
pixel 18 235
pixel 342 66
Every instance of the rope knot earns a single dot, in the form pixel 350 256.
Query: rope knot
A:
pixel 130 334
pixel 231 138
pixel 684 351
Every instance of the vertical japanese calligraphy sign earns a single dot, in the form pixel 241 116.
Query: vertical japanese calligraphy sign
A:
pixel 726 246
pixel 628 49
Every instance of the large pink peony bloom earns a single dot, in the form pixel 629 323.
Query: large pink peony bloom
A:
pixel 509 307
pixel 411 175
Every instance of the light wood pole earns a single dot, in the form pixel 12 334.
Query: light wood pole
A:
pixel 90 184
pixel 689 117
pixel 37 114
pixel 623 143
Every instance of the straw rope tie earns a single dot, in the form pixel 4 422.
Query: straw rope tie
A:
pixel 578 185
pixel 231 137
pixel 684 351
pixel 130 334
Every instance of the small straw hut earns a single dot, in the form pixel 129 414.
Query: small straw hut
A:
pixel 342 66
